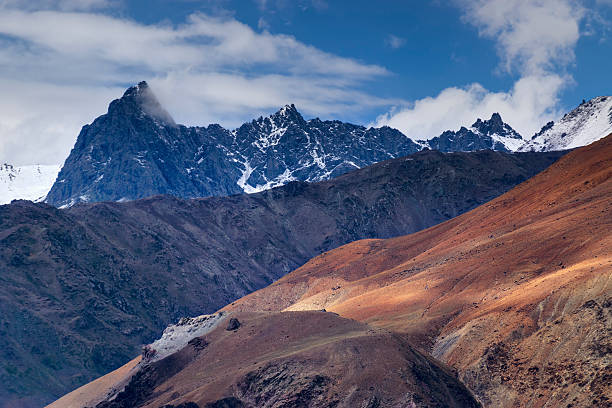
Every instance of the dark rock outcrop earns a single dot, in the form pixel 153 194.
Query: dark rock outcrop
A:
pixel 488 134
pixel 233 324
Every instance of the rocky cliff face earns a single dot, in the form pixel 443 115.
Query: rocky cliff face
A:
pixel 136 150
pixel 79 285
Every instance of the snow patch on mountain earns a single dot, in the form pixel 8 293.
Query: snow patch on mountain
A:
pixel 582 126
pixel 26 182
pixel 176 336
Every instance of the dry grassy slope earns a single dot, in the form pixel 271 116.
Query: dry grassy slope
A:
pixel 515 294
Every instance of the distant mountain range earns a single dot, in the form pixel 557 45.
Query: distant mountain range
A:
pixel 83 288
pixel 136 150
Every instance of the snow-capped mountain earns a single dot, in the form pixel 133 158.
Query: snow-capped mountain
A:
pixel 491 134
pixel 136 150
pixel 26 182
pixel 584 125
pixel 284 147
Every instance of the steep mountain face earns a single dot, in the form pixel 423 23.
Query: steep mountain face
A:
pixel 586 124
pixel 136 150
pixel 516 295
pixel 78 286
pixel 284 147
pixel 26 182
pixel 491 134
pixel 295 359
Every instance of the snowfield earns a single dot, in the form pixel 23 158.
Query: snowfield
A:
pixel 26 182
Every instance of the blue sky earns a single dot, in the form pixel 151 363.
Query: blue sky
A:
pixel 420 66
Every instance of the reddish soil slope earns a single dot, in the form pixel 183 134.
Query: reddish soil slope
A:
pixel 516 294
pixel 289 359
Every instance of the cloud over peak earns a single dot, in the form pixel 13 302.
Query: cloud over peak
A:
pixel 206 69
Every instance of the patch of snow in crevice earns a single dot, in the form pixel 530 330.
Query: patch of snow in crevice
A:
pixel 280 180
pixel 244 177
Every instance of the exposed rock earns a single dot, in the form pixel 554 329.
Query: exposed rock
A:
pixel 233 324
pixel 489 134
pixel 136 150
pixel 515 295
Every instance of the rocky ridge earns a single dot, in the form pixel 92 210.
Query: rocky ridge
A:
pixel 584 125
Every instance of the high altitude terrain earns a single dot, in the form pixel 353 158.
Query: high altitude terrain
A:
pixel 83 288
pixel 26 182
pixel 136 150
pixel 516 294
pixel 584 125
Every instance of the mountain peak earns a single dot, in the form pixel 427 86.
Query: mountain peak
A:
pixel 587 123
pixel 496 118
pixel 289 112
pixel 495 126
pixel 495 121
pixel 135 90
pixel 140 98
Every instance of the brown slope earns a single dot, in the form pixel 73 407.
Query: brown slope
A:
pixel 515 294
pixel 289 359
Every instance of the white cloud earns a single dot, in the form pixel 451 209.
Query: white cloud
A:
pixel 532 35
pixel 394 41
pixel 535 39
pixel 530 103
pixel 39 122
pixel 205 70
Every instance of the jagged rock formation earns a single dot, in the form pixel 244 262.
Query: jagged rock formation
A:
pixel 491 134
pixel 586 124
pixel 136 150
pixel 79 285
